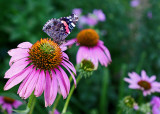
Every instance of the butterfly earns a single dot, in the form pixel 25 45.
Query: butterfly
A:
pixel 59 29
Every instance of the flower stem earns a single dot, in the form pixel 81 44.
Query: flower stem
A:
pixel 121 86
pixel 59 97
pixel 103 98
pixel 56 103
pixel 70 94
pixel 31 103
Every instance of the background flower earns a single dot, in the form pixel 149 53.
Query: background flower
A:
pixel 135 3
pixel 77 11
pixel 8 103
pixel 99 14
pixel 147 84
pixel 91 48
pixel 155 102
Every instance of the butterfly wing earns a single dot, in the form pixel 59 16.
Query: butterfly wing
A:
pixel 59 29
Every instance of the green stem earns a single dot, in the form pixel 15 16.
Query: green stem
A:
pixel 140 64
pixel 69 96
pixel 103 98
pixel 58 98
pixel 121 86
pixel 122 82
pixel 56 103
pixel 31 103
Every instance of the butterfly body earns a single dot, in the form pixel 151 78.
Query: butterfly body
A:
pixel 59 29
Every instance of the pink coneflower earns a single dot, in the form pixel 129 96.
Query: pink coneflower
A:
pixel 149 14
pixel 147 84
pixel 77 11
pixel 91 48
pixel 91 20
pixel 135 3
pixel 9 103
pixel 39 67
pixel 99 14
pixel 155 102
pixel 55 112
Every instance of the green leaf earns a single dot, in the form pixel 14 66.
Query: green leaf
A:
pixel 22 111
pixel 67 113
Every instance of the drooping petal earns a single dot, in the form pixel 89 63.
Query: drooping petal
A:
pixel 40 84
pixel 18 78
pixel 65 55
pixel 54 89
pixel 16 68
pixel 47 89
pixel 31 85
pixel 70 73
pixel 65 78
pixel 69 65
pixel 106 51
pixel 83 53
pixel 26 82
pixel 25 45
pixel 61 84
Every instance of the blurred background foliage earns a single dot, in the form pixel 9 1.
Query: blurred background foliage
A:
pixel 132 38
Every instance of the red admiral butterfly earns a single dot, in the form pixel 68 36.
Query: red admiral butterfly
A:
pixel 59 29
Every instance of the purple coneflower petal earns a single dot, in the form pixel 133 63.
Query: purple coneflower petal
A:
pixel 61 84
pixel 71 42
pixel 16 68
pixel 66 79
pixel 40 84
pixel 9 109
pixel 27 82
pixel 19 51
pixel 65 55
pixel 25 45
pixel 17 103
pixel 152 78
pixel 47 89
pixel 17 58
pixel 31 85
pixel 106 51
pixel 69 65
pixel 54 89
pixel 144 75
pixel 70 73
pixel 17 78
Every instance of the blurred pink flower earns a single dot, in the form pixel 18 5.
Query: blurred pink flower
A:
pixel 9 103
pixel 55 112
pixel 149 15
pixel 135 3
pixel 99 14
pixel 82 21
pixel 91 48
pixel 91 20
pixel 77 11
pixel 147 84
pixel 155 102
pixel 38 66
